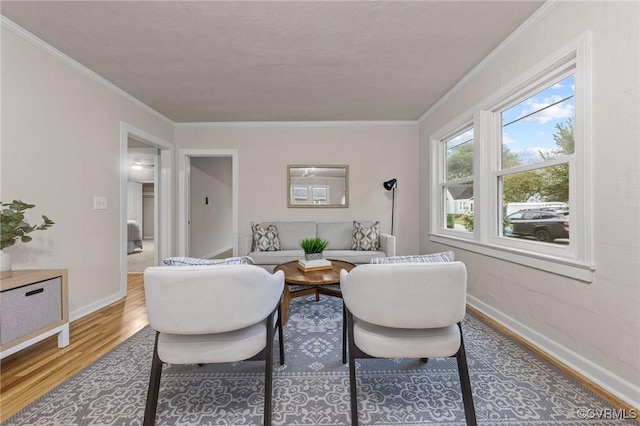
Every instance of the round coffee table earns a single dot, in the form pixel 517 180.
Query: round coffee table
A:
pixel 315 280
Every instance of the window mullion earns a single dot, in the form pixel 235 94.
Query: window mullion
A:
pixel 487 160
pixel 437 184
pixel 535 166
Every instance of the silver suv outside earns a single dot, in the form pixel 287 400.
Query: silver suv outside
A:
pixel 543 225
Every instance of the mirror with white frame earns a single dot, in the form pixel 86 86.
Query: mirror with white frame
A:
pixel 318 186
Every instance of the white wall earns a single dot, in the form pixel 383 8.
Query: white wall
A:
pixel 374 152
pixel 60 148
pixel 595 326
pixel 211 231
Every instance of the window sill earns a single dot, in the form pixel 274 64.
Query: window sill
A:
pixel 554 265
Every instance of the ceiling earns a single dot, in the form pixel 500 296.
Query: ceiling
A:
pixel 236 61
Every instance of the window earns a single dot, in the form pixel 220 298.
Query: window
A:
pixel 537 147
pixel 457 185
pixel 525 151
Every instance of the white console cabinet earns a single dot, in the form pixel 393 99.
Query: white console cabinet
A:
pixel 33 306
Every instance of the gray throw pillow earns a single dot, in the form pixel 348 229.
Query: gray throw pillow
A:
pixel 366 237
pixel 265 239
pixel 445 256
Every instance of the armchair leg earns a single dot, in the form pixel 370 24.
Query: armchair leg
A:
pixel 268 374
pixel 344 334
pixel 465 383
pixel 352 371
pixel 154 387
pixel 280 335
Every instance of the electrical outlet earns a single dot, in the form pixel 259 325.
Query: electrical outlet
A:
pixel 99 203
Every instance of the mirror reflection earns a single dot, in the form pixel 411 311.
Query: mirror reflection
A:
pixel 318 186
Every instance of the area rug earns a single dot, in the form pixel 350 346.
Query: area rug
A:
pixel 511 386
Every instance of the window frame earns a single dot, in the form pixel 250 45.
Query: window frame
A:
pixel 573 260
pixel 443 183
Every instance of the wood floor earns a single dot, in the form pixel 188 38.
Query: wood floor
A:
pixel 28 374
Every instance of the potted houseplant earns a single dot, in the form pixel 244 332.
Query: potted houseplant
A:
pixel 15 227
pixel 313 247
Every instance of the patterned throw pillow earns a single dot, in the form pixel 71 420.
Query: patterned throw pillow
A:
pixel 445 256
pixel 366 237
pixel 265 239
pixel 191 261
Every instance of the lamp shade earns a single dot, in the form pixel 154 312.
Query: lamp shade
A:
pixel 390 184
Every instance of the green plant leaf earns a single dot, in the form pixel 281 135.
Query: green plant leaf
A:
pixel 14 224
pixel 313 245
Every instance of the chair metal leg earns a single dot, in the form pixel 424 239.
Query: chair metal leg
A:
pixel 344 334
pixel 352 370
pixel 465 383
pixel 154 387
pixel 280 335
pixel 268 374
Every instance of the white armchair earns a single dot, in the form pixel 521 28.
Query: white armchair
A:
pixel 212 314
pixel 406 310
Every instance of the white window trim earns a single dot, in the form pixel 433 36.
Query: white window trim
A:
pixel 438 177
pixel 574 261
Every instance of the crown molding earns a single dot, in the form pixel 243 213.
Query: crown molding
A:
pixel 297 123
pixel 539 14
pixel 47 48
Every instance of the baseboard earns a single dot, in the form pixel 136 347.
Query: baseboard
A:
pixel 86 310
pixel 593 375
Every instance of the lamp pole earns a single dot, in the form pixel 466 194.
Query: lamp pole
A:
pixel 391 185
pixel 393 206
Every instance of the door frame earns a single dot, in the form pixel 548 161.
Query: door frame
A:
pixel 163 186
pixel 184 185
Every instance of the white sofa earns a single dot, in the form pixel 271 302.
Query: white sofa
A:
pixel 339 235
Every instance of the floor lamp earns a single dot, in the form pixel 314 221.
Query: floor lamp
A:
pixel 391 185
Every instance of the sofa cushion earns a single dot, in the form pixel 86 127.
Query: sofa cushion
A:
pixel 290 233
pixel 275 257
pixel 354 256
pixel 339 234
pixel 445 256
pixel 366 237
pixel 190 261
pixel 265 238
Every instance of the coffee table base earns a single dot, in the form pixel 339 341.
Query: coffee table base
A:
pixel 312 282
pixel 311 290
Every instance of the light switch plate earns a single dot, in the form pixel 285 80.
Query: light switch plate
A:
pixel 99 203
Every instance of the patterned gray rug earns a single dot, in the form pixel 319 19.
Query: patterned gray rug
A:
pixel 510 385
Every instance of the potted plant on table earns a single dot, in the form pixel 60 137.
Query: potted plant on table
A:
pixel 15 227
pixel 313 248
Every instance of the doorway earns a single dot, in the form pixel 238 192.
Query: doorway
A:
pixel 141 166
pixel 161 154
pixel 208 204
